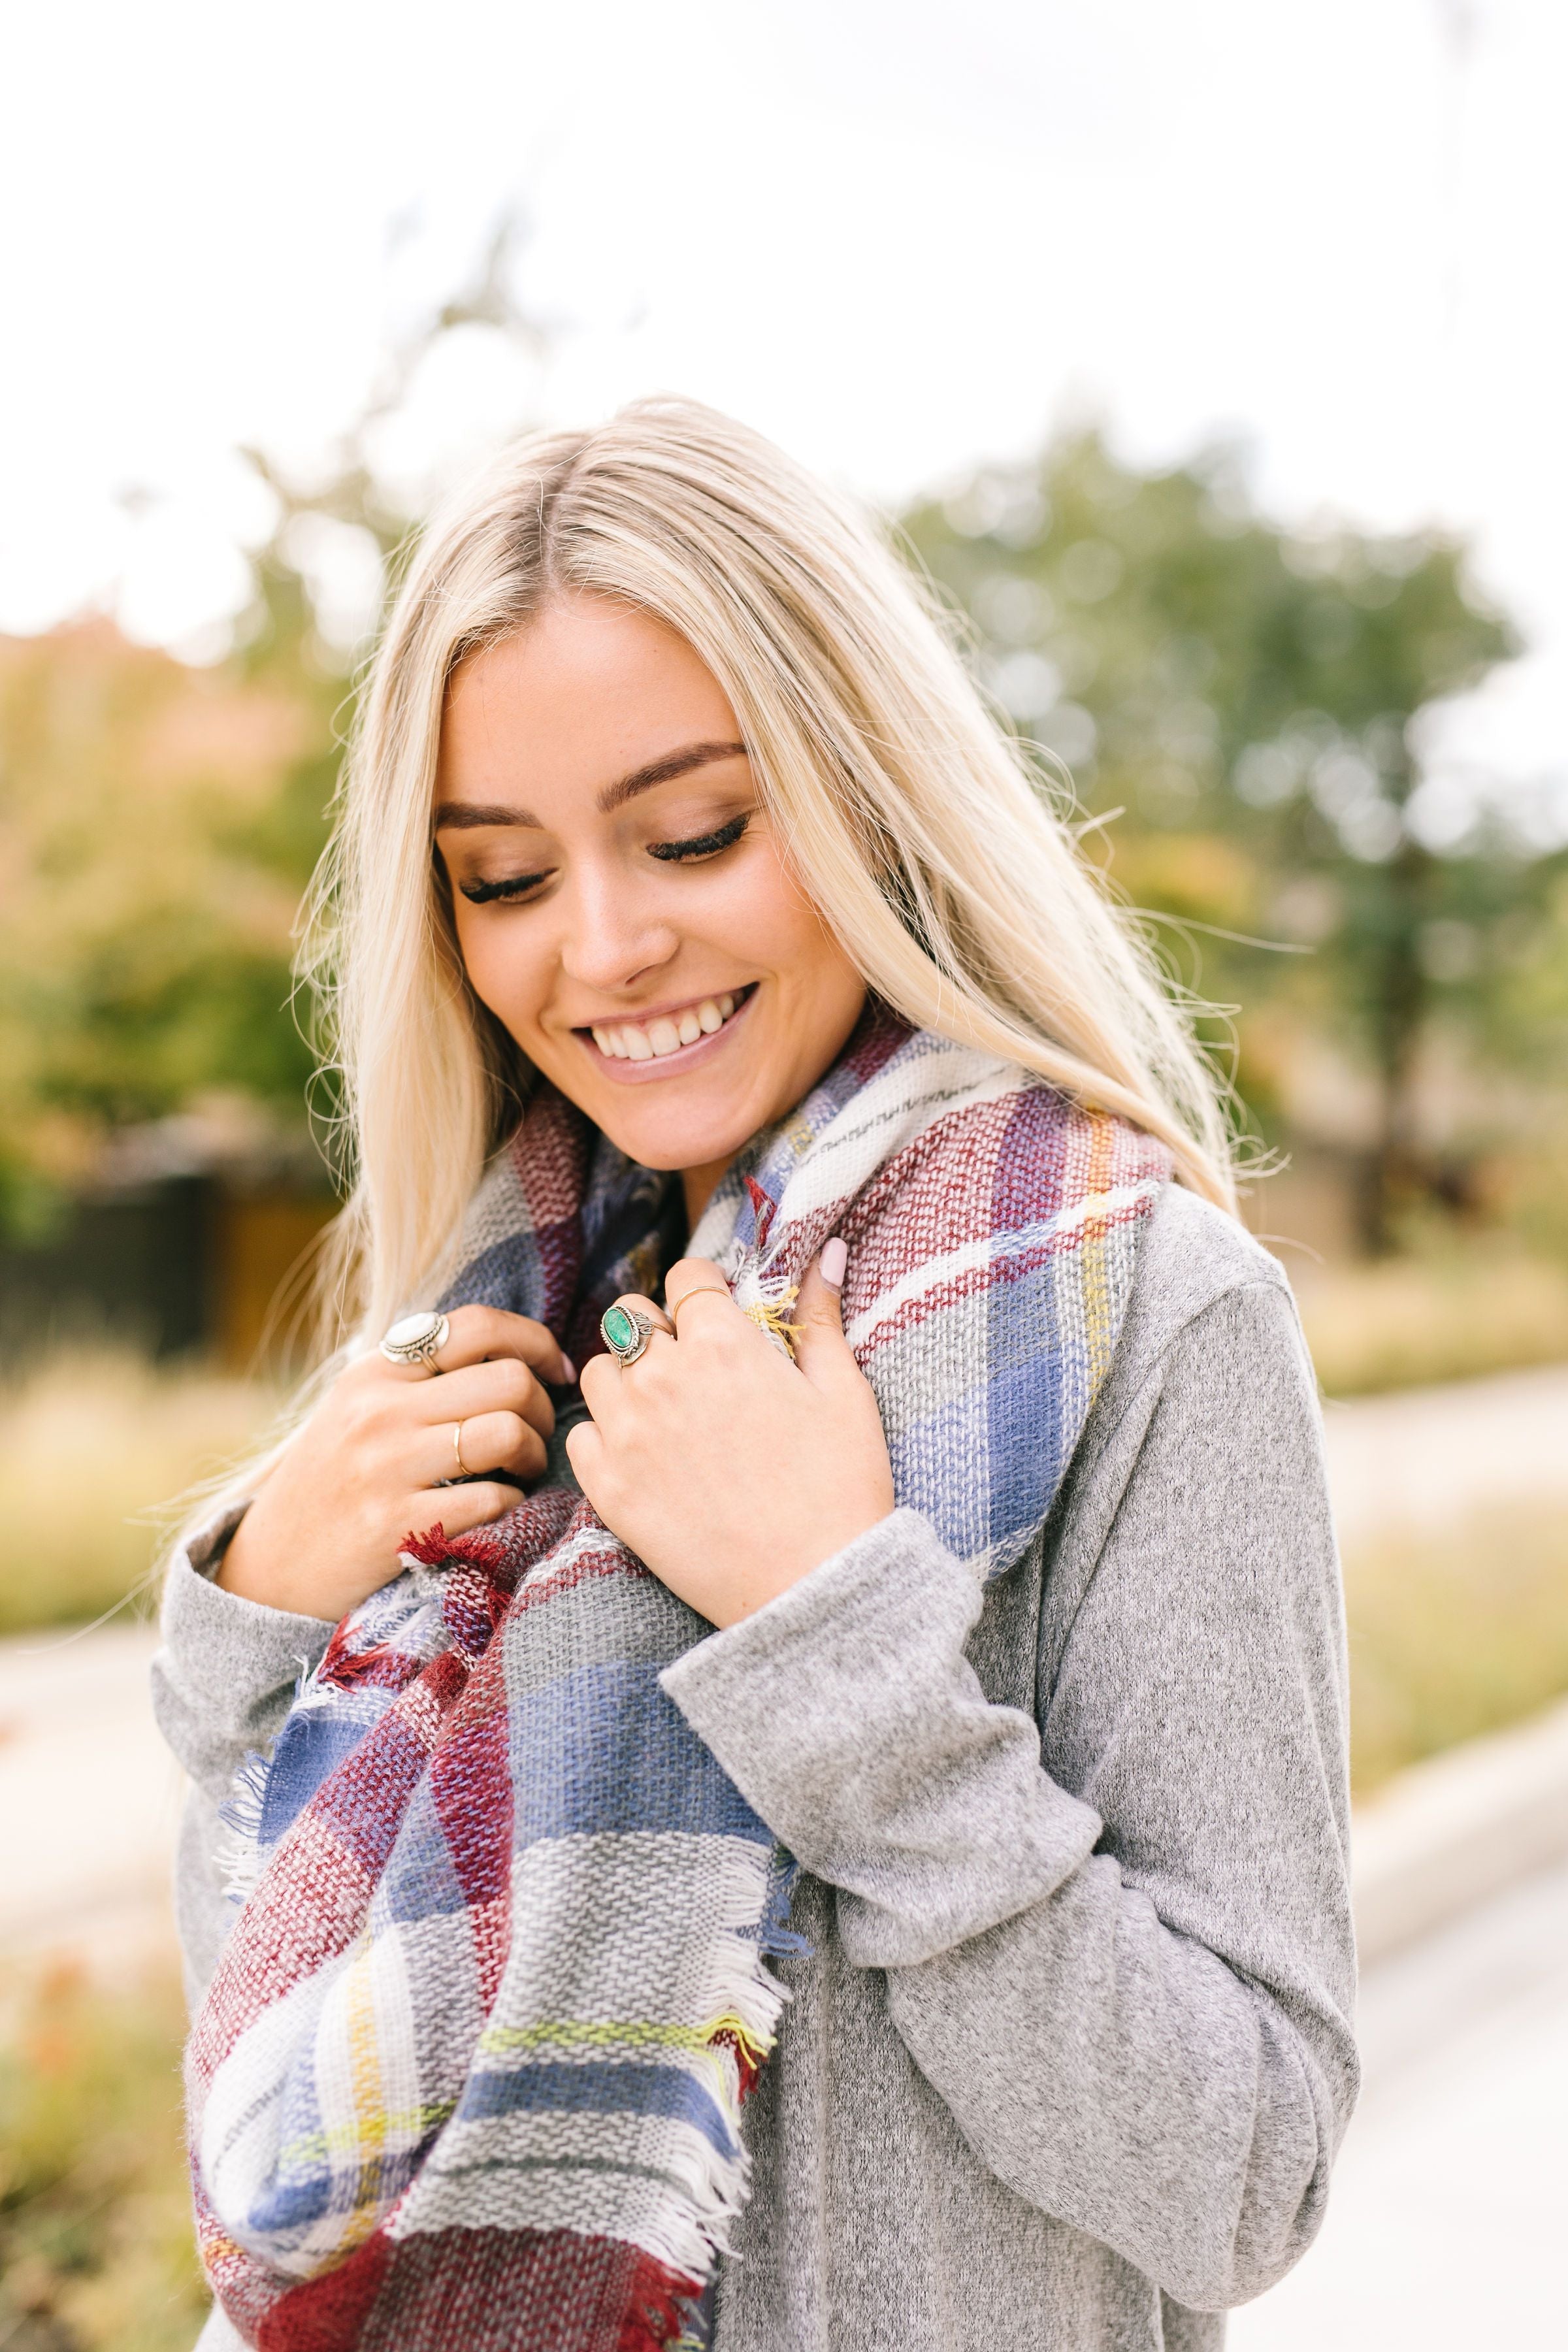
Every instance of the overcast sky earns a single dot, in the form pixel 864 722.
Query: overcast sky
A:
pixel 897 235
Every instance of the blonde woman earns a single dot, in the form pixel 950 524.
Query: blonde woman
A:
pixel 823 1819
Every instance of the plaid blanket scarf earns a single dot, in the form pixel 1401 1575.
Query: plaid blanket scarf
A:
pixel 471 2068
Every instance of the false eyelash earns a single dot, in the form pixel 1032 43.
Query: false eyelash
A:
pixel 704 844
pixel 512 886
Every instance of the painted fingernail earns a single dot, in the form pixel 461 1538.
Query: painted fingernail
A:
pixel 835 1258
pixel 569 1369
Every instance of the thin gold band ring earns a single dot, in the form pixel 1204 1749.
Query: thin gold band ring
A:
pixel 709 1289
pixel 457 1448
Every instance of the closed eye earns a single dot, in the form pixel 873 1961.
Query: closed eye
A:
pixel 510 885
pixel 703 844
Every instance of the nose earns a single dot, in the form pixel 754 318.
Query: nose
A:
pixel 612 935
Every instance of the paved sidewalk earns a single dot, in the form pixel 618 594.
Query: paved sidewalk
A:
pixel 88 1795
pixel 1420 1458
pixel 1445 2227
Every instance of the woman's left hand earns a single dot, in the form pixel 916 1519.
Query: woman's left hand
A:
pixel 730 1471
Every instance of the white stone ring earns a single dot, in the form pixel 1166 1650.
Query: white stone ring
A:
pixel 417 1340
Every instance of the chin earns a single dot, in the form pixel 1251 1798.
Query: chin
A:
pixel 673 1139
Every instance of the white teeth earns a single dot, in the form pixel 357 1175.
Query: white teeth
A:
pixel 630 1043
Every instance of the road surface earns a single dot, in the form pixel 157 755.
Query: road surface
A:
pixel 1450 2201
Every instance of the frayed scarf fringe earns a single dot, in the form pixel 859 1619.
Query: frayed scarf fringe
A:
pixel 241 1857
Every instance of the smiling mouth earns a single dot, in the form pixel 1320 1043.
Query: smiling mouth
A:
pixel 668 1034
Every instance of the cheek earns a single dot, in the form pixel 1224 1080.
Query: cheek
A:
pixel 500 973
pixel 770 919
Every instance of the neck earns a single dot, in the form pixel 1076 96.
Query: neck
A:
pixel 698 1185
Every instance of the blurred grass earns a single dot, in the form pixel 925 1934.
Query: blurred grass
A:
pixel 93 1445
pixel 96 2251
pixel 1453 1634
pixel 1406 1322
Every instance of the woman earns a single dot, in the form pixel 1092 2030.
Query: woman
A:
pixel 936 1547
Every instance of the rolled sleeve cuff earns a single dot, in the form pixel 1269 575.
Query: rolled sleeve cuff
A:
pixel 224 1660
pixel 848 1715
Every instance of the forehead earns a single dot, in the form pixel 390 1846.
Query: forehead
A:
pixel 587 691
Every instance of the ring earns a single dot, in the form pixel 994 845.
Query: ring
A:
pixel 625 1331
pixel 674 1312
pixel 417 1340
pixel 457 1448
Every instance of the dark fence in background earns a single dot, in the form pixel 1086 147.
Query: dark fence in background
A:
pixel 181 1266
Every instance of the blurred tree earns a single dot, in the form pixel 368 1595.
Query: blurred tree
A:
pixel 144 946
pixel 1236 702
pixel 158 824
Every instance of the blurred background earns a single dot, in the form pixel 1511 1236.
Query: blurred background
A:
pixel 1211 358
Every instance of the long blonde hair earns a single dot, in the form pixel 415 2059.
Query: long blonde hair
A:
pixel 915 822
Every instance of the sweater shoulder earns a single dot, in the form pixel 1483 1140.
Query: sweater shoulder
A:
pixel 1192 1257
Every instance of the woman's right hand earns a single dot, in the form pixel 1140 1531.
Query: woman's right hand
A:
pixel 330 1518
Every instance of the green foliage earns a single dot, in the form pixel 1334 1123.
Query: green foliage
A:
pixel 1244 699
pixel 158 825
pixel 95 2232
pixel 156 828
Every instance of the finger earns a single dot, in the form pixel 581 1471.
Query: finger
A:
pixel 602 1386
pixel 456 1510
pixel 489 1441
pixel 697 1278
pixel 821 1350
pixel 502 1385
pixel 585 1452
pixel 477 1333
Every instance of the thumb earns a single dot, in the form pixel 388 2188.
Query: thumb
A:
pixel 821 1350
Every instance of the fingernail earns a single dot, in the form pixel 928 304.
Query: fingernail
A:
pixel 569 1368
pixel 835 1258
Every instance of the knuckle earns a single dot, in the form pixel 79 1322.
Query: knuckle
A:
pixel 362 1414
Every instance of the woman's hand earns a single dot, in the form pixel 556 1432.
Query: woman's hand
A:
pixel 732 1472
pixel 330 1518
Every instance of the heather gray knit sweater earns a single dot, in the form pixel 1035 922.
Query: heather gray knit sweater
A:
pixel 1071 2053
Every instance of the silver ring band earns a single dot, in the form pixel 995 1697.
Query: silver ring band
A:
pixel 625 1331
pixel 417 1340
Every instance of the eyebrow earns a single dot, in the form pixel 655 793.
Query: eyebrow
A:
pixel 460 815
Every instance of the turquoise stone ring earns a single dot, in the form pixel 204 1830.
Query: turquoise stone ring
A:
pixel 626 1332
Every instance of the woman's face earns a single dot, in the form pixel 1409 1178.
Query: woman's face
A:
pixel 622 904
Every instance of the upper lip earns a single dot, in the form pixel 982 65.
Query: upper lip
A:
pixel 641 1014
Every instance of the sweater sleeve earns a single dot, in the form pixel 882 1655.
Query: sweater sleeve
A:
pixel 1117 1940
pixel 222 1683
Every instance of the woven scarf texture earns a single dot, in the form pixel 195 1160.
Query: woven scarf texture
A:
pixel 471 2068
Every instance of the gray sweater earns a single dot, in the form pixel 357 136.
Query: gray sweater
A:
pixel 1070 2054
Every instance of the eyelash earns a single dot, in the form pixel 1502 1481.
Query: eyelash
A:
pixel 676 852
pixel 705 844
